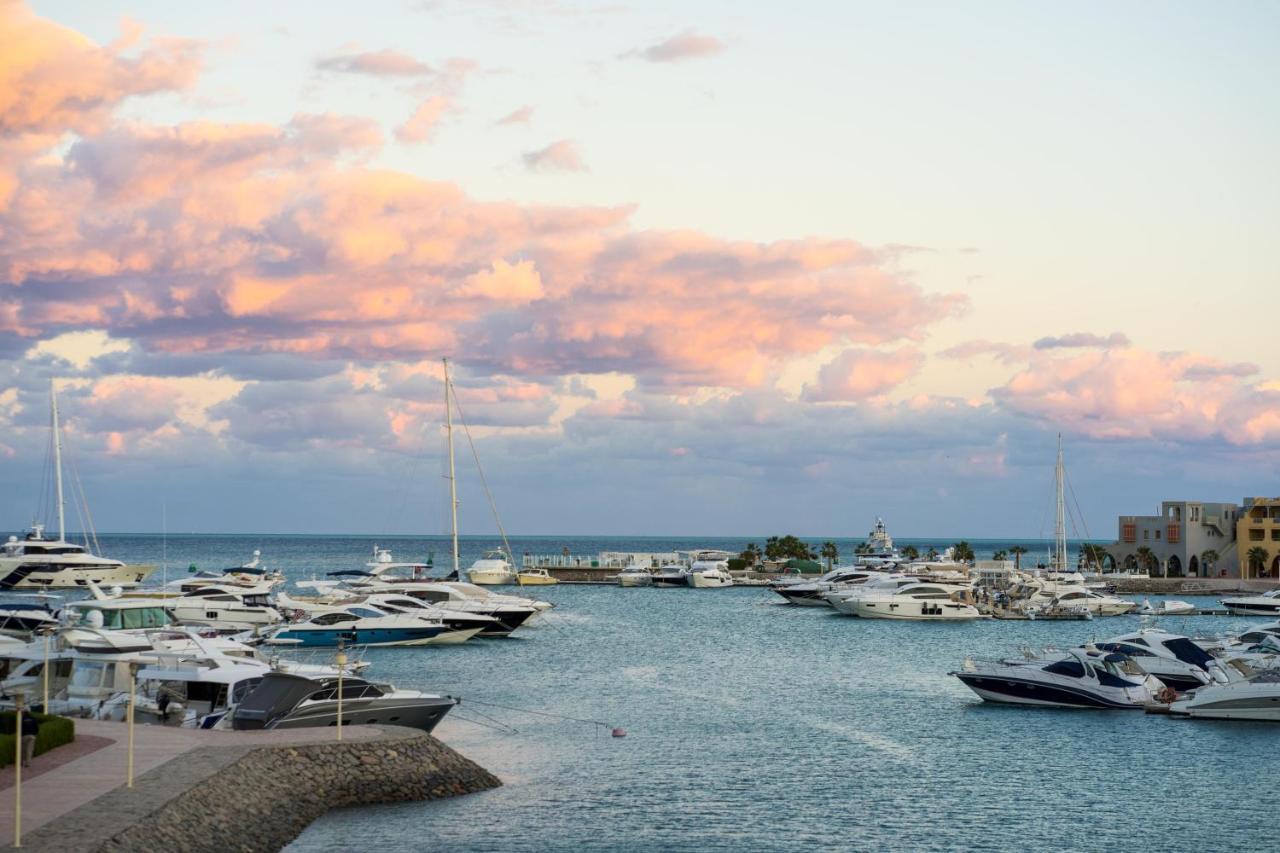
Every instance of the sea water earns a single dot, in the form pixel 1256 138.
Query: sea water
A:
pixel 755 725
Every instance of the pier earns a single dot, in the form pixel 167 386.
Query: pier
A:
pixel 211 790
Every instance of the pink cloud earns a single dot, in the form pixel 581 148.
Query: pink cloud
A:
pixel 378 63
pixel 857 374
pixel 1005 353
pixel 560 156
pixel 1079 340
pixel 1133 393
pixel 517 116
pixel 54 79
pixel 421 126
pixel 678 48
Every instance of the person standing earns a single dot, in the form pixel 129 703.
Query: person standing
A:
pixel 30 728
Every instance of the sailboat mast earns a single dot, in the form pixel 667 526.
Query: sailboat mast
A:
pixel 57 462
pixel 1060 522
pixel 453 483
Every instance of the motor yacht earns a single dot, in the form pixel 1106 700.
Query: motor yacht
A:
pixel 536 577
pixel 918 601
pixel 1239 692
pixel 1075 680
pixel 366 626
pixel 1077 595
pixel 493 569
pixel 844 597
pixel 1266 604
pixel 708 572
pixel 813 593
pixel 878 551
pixel 1168 607
pixel 223 606
pixel 23 615
pixel 635 575
pixel 250 576
pixel 1172 658
pixel 283 701
pixel 671 575
pixel 301 607
pixel 36 562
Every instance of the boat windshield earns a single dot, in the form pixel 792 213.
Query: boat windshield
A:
pixel 128 618
pixel 366 612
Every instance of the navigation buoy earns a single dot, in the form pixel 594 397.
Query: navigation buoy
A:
pixel 619 732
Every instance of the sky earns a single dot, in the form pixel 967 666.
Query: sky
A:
pixel 700 268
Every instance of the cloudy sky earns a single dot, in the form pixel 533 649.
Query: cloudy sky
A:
pixel 703 267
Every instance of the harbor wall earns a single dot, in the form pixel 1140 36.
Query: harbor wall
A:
pixel 261 798
pixel 1185 586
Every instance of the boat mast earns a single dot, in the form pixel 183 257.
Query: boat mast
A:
pixel 1060 523
pixel 453 483
pixel 57 462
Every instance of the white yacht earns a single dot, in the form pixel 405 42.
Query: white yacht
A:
pixel 1076 680
pixel 1098 604
pixel 1239 692
pixel 35 562
pixel 283 701
pixel 709 571
pixel 878 550
pixel 24 614
pixel 222 606
pixel 1266 604
pixel 917 601
pixel 635 575
pixel 1168 607
pixel 1172 658
pixel 844 598
pixel 493 569
pixel 813 593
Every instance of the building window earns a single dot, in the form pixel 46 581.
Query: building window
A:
pixel 1146 534
pixel 1157 534
pixel 1255 535
pixel 1275 536
pixel 1174 533
pixel 1129 532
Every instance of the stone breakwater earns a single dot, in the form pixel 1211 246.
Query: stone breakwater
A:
pixel 259 798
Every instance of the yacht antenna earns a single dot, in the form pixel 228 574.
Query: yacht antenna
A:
pixel 57 461
pixel 453 482
pixel 1060 521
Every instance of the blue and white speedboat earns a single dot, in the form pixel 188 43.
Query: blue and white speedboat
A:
pixel 1075 680
pixel 365 626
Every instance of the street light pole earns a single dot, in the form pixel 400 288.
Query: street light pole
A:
pixel 45 707
pixel 342 663
pixel 17 773
pixel 133 681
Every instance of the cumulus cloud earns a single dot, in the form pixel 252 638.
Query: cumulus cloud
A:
pixel 859 373
pixel 1080 340
pixel 421 126
pixel 377 63
pixel 560 156
pixel 679 48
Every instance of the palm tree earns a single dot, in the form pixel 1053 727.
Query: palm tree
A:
pixel 911 552
pixel 1208 559
pixel 830 553
pixel 962 551
pixel 931 554
pixel 1000 556
pixel 1257 557
pixel 751 554
pixel 1092 555
pixel 1146 558
pixel 1017 551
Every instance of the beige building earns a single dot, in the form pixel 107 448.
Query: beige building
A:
pixel 1188 539
pixel 1258 538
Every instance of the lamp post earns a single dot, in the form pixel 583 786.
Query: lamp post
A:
pixel 18 695
pixel 342 663
pixel 133 693
pixel 45 672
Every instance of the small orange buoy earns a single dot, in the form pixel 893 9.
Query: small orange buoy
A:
pixel 619 732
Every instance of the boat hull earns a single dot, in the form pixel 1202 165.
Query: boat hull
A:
pixel 412 713
pixel 1010 690
pixel 367 637
pixel 70 576
pixel 492 577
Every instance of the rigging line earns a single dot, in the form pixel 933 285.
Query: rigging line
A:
pixel 90 530
pixel 506 730
pixel 539 713
pixel 483 482
pixel 492 719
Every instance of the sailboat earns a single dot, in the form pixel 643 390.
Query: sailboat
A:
pixel 38 562
pixel 494 568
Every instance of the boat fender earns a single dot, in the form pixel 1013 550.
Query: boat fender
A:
pixel 619 732
pixel 1167 696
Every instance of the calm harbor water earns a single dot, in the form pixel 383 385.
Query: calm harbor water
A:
pixel 754 725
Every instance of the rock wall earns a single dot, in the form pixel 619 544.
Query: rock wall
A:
pixel 263 800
